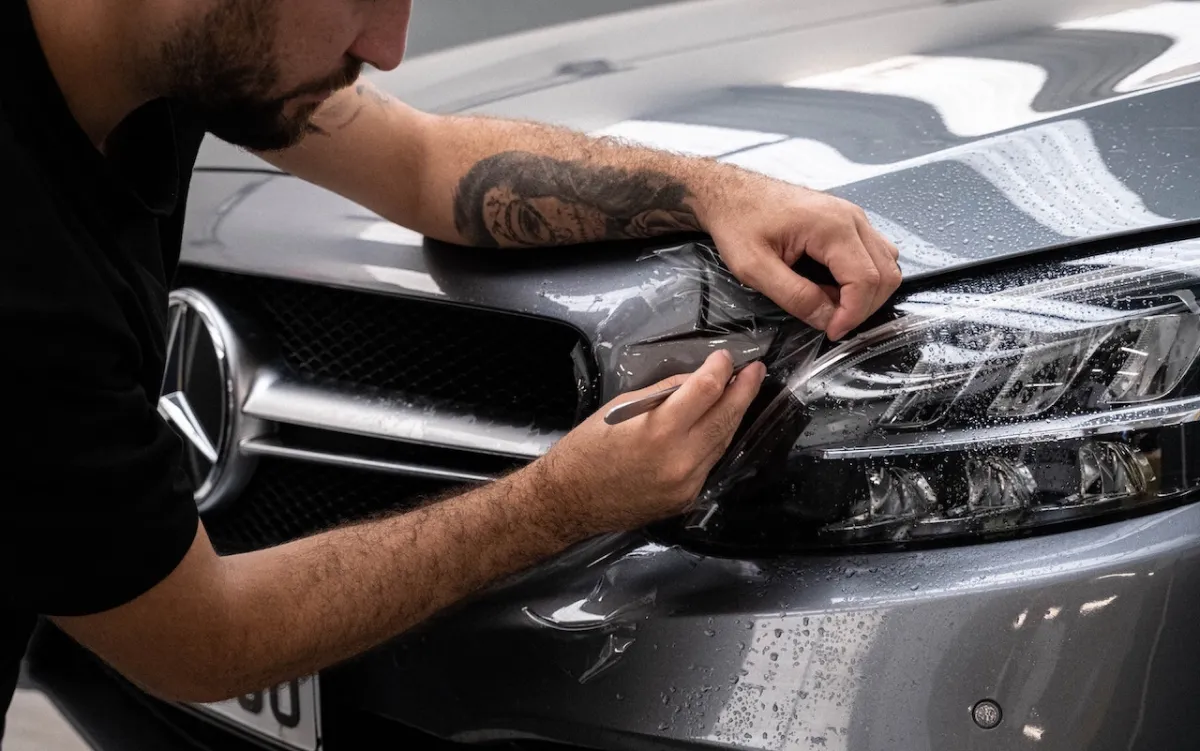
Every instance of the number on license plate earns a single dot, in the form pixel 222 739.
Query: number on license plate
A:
pixel 288 714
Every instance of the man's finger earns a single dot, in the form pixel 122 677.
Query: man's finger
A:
pixel 854 269
pixel 790 291
pixel 896 276
pixel 885 262
pixel 700 391
pixel 717 428
pixel 868 232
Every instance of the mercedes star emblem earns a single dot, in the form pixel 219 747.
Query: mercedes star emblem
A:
pixel 198 393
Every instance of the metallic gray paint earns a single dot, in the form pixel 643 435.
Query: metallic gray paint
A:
pixel 1086 639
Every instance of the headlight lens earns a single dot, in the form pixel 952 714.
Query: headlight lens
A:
pixel 1050 394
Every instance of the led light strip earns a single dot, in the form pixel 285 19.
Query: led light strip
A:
pixel 1145 417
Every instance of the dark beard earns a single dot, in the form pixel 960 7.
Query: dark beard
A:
pixel 224 70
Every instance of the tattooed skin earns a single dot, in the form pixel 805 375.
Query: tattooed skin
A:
pixel 342 112
pixel 525 200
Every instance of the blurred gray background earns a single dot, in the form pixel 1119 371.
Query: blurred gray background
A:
pixel 438 24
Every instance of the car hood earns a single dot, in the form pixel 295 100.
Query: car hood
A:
pixel 1021 130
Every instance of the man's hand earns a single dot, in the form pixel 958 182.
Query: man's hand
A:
pixel 763 227
pixel 653 466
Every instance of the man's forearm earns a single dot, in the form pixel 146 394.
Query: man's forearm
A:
pixel 492 182
pixel 331 596
pixel 502 183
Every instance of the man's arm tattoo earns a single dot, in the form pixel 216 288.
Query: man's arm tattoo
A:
pixel 372 94
pixel 526 200
pixel 342 115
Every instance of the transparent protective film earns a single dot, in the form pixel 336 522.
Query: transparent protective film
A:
pixel 762 446
pixel 690 307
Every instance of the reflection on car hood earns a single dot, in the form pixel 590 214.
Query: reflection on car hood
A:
pixel 1054 130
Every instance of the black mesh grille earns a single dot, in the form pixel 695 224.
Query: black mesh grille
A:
pixel 497 366
pixel 287 500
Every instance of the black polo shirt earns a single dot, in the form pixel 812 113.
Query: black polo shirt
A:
pixel 94 506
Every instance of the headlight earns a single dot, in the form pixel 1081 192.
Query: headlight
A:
pixel 1054 393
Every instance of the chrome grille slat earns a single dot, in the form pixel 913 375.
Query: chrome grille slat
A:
pixel 272 447
pixel 278 398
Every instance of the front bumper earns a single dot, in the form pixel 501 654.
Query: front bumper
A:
pixel 1085 639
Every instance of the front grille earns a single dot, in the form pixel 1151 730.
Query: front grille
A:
pixel 497 366
pixel 287 500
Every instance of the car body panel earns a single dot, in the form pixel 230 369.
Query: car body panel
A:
pixel 1085 639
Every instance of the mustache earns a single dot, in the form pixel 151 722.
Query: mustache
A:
pixel 349 73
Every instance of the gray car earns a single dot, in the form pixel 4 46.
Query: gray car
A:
pixel 970 525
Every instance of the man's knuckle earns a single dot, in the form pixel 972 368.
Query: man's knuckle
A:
pixel 673 381
pixel 709 385
pixel 872 276
pixel 839 224
pixel 803 298
pixel 797 302
pixel 717 431
pixel 728 440
pixel 676 472
pixel 659 432
pixel 747 270
pixel 799 305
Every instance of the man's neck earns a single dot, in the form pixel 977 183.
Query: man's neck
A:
pixel 91 59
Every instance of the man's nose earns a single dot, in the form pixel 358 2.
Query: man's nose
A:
pixel 382 43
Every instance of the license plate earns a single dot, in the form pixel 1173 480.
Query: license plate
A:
pixel 289 714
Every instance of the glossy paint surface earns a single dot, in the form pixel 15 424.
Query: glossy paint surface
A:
pixel 1085 640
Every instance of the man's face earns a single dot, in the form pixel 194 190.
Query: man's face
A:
pixel 256 70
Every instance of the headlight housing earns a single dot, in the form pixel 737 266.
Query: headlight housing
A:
pixel 1054 393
